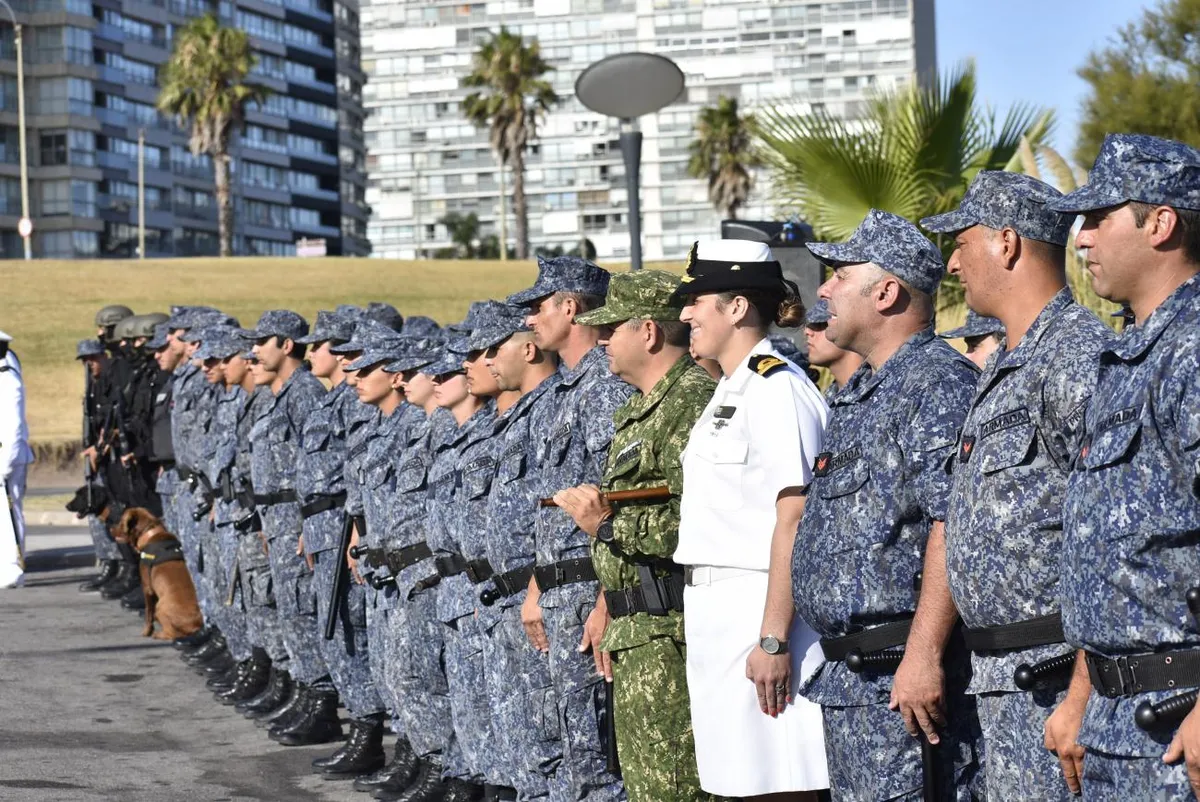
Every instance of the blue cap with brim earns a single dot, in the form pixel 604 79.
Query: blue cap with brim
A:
pixel 278 323
pixel 501 321
pixel 329 326
pixel 380 350
pixel 892 243
pixel 86 348
pixel 974 326
pixel 420 353
pixel 818 314
pixel 159 340
pixel 564 274
pixel 1141 168
pixel 219 348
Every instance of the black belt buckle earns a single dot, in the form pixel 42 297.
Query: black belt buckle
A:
pixel 478 571
pixel 1125 684
pixel 559 574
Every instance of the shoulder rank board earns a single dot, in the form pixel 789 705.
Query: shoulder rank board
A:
pixel 765 364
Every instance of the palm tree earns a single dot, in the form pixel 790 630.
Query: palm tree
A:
pixel 464 233
pixel 723 153
pixel 511 99
pixel 912 153
pixel 203 86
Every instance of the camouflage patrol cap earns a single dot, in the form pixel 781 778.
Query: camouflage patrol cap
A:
pixel 501 321
pixel 220 343
pixel 365 332
pixel 330 326
pixel 278 323
pixel 184 317
pixel 450 360
pixel 86 348
pixel 380 349
pixel 640 295
pixel 819 314
pixel 892 243
pixel 159 340
pixel 1137 167
pixel 975 326
pixel 112 314
pixel 563 274
pixel 419 353
pixel 999 199
pixel 384 313
pixel 420 326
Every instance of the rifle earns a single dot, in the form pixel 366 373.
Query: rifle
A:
pixel 341 576
pixel 642 494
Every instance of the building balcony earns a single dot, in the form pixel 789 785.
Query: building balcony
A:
pixel 115 161
pixel 322 194
pixel 196 212
pixel 192 170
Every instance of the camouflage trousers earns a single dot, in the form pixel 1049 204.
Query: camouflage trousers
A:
pixel 415 674
pixel 470 708
pixel 872 758
pixel 1116 778
pixel 653 716
pixel 379 607
pixel 527 746
pixel 1016 762
pixel 296 605
pixel 230 618
pixel 580 693
pixel 209 580
pixel 102 541
pixel 256 595
pixel 346 654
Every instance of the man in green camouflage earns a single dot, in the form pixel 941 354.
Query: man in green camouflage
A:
pixel 636 630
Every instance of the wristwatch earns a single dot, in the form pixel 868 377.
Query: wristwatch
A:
pixel 773 645
pixel 604 532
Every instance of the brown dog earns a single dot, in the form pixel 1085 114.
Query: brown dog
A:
pixel 166 584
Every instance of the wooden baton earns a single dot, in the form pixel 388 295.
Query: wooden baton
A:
pixel 661 493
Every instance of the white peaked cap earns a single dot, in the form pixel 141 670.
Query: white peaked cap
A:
pixel 734 250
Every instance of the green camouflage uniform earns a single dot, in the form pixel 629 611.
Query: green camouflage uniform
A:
pixel 651 706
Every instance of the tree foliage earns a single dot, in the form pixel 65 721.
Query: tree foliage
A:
pixel 510 99
pixel 1145 81
pixel 912 153
pixel 723 154
pixel 204 87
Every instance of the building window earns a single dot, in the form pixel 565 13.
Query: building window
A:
pixel 53 149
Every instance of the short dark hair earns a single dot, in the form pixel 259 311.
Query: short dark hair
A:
pixel 1043 251
pixel 783 308
pixel 298 349
pixel 676 333
pixel 584 302
pixel 1189 226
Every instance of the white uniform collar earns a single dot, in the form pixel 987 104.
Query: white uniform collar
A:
pixel 736 381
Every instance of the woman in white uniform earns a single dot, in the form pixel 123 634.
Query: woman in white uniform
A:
pixel 745 469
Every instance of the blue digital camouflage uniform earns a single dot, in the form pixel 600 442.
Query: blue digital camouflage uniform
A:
pixel 276 437
pixel 573 452
pixel 878 488
pixel 199 451
pixel 861 541
pixel 518 675
pixel 1004 523
pixel 1132 517
pixel 321 473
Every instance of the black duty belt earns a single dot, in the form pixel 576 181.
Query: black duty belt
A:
pixel 1041 631
pixel 870 640
pixel 185 473
pixel 659 596
pixel 162 552
pixel 250 523
pixel 564 572
pixel 322 503
pixel 1142 673
pixel 281 497
pixel 512 582
pixel 374 558
pixel 454 564
pixel 399 559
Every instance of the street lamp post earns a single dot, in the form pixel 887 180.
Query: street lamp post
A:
pixel 26 227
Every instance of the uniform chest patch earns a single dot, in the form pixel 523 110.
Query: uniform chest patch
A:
pixel 724 413
pixel 627 454
pixel 1125 415
pixel 828 462
pixel 965 449
pixel 1006 420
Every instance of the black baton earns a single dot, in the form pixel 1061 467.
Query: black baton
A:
pixel 1170 713
pixel 1027 676
pixel 611 759
pixel 929 755
pixel 341 576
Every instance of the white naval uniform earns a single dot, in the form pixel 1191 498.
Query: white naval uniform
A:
pixel 15 456
pixel 757 436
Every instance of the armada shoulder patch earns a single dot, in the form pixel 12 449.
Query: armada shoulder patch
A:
pixel 765 364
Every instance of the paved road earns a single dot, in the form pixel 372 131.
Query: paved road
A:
pixel 92 711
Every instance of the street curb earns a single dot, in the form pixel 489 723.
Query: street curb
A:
pixel 62 518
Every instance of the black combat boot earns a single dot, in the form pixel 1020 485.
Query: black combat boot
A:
pixel 217 665
pixel 251 681
pixel 318 725
pixel 108 570
pixel 134 600
pixel 396 775
pixel 277 694
pixel 195 640
pixel 363 752
pixel 211 650
pixel 294 708
pixel 125 580
pixel 427 786
pixel 463 791
pixel 224 681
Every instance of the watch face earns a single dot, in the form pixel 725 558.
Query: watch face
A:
pixel 770 645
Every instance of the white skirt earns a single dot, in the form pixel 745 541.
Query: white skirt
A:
pixel 741 751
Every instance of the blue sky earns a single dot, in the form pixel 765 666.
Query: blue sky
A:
pixel 1028 50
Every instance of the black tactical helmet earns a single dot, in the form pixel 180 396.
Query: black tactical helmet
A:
pixel 124 329
pixel 112 315
pixel 143 325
